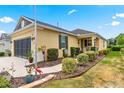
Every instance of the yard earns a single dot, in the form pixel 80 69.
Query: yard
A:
pixel 107 73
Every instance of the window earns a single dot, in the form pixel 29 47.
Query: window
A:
pixel 22 47
pixel 63 41
pixel 88 42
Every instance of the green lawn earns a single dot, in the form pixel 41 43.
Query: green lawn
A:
pixel 107 73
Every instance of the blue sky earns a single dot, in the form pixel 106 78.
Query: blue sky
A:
pixel 108 21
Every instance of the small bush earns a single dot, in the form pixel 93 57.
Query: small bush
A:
pixel 92 55
pixel 68 65
pixel 52 54
pixel 4 83
pixel 8 52
pixel 94 49
pixel 74 51
pixel 2 54
pixel 82 58
pixel 105 52
pixel 116 48
pixel 101 52
pixel 97 53
pixel 109 46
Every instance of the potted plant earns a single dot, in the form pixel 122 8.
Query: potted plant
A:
pixel 30 58
pixel 30 77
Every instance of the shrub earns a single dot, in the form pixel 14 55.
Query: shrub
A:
pixel 4 83
pixel 105 52
pixel 82 58
pixel 2 54
pixel 101 52
pixel 68 65
pixel 122 51
pixel 109 46
pixel 94 49
pixel 92 55
pixel 116 48
pixel 8 52
pixel 52 54
pixel 74 51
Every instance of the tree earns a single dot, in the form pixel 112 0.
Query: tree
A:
pixel 120 39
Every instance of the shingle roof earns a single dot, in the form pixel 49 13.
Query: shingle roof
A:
pixel 75 32
pixel 43 23
pixel 81 31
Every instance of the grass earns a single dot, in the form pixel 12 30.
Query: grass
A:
pixel 107 73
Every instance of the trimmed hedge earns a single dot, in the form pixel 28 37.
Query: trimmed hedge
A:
pixel 74 51
pixel 2 54
pixel 92 55
pixel 4 83
pixel 94 49
pixel 68 65
pixel 52 54
pixel 116 48
pixel 82 58
pixel 105 51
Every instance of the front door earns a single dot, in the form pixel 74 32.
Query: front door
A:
pixel 22 47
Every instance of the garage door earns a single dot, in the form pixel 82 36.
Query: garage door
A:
pixel 22 47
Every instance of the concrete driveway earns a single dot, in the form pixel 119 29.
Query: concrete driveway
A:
pixel 17 63
pixel 19 66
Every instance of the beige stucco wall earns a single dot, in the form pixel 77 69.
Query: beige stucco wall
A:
pixel 46 37
pixel 21 35
pixel 102 44
pixel 50 39
pixel 72 42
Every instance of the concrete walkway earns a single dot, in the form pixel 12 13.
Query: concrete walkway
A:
pixel 19 66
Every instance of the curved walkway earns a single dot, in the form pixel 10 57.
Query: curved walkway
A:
pixel 19 66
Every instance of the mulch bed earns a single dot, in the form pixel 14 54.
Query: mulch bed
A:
pixel 79 71
pixel 19 81
pixel 48 63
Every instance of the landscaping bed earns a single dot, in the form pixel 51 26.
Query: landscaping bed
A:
pixel 48 63
pixel 109 72
pixel 79 70
pixel 18 81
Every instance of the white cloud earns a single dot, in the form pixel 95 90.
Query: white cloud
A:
pixel 71 11
pixel 113 17
pixel 2 31
pixel 6 19
pixel 115 23
pixel 120 15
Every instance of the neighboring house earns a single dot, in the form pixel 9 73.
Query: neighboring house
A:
pixel 5 42
pixel 52 37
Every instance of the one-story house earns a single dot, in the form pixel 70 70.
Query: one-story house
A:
pixel 52 37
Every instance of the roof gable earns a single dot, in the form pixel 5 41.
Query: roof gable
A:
pixel 22 23
pixel 81 31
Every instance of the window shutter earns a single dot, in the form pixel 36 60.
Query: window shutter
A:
pixel 66 42
pixel 59 41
